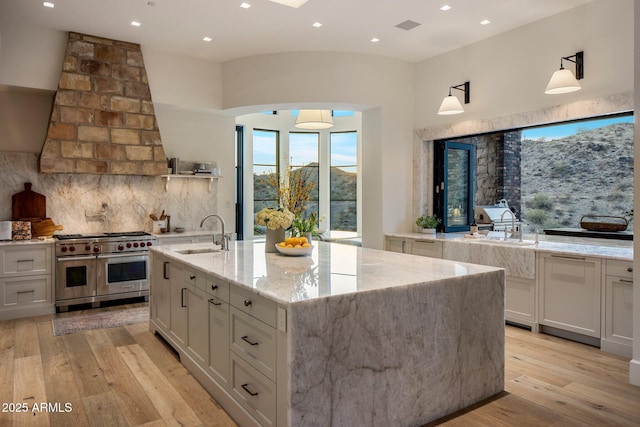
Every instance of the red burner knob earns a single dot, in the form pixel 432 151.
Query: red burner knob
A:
pixel 135 244
pixel 96 249
pixel 128 245
pixel 63 249
pixel 142 244
pixel 120 247
pixel 87 248
pixel 149 244
pixel 72 248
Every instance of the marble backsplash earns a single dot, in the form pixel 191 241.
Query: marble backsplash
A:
pixel 75 200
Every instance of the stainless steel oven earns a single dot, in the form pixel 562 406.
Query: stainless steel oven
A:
pixel 118 273
pixel 91 269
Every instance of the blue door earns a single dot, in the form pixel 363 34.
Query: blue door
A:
pixel 454 167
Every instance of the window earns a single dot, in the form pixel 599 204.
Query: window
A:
pixel 343 206
pixel 265 163
pixel 454 171
pixel 303 153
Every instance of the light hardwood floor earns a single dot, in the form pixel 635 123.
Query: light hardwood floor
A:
pixel 125 376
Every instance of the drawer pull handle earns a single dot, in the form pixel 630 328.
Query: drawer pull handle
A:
pixel 191 277
pixel 182 302
pixel 214 302
pixel 25 260
pixel 25 292
pixel 214 287
pixel 247 302
pixel 626 281
pixel 248 341
pixel 245 388
pixel 578 258
pixel 165 270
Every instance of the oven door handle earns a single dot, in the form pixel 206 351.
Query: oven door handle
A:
pixel 129 255
pixel 76 258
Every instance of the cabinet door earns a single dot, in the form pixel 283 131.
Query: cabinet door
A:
pixel 178 330
pixel 198 325
pixel 520 300
pixel 396 245
pixel 25 291
pixel 430 248
pixel 161 292
pixel 619 310
pixel 219 340
pixel 570 293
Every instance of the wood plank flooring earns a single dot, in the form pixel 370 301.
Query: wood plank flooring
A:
pixel 125 376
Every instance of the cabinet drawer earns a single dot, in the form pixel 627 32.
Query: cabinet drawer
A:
pixel 217 287
pixel 254 341
pixel 194 278
pixel 428 248
pixel 255 392
pixel 33 260
pixel 21 291
pixel 620 268
pixel 253 304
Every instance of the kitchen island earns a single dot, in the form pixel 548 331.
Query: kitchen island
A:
pixel 346 336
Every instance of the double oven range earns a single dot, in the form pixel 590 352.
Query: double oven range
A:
pixel 101 267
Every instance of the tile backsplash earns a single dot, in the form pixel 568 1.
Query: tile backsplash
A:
pixel 73 200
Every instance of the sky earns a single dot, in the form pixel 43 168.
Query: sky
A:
pixel 560 131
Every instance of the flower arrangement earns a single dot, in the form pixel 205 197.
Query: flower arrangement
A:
pixel 273 218
pixel 294 190
pixel 428 221
pixel 301 225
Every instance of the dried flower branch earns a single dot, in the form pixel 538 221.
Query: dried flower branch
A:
pixel 294 191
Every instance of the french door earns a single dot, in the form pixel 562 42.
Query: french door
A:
pixel 454 168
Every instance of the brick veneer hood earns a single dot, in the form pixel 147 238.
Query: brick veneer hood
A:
pixel 103 119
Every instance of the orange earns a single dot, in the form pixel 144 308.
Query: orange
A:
pixel 306 245
pixel 303 240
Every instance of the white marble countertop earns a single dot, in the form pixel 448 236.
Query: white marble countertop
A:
pixel 39 241
pixel 186 233
pixel 332 269
pixel 603 248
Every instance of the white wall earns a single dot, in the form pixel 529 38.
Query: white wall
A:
pixel 634 366
pixel 24 118
pixel 508 72
pixel 381 88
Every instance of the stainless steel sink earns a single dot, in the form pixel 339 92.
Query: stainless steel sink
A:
pixel 198 251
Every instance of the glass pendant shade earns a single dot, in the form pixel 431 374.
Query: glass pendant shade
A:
pixel 562 81
pixel 450 105
pixel 314 119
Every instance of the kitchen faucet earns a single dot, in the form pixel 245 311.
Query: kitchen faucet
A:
pixel 513 222
pixel 225 237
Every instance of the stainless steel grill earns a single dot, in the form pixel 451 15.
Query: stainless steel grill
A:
pixel 495 218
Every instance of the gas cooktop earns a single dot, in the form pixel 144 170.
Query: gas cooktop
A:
pixel 101 235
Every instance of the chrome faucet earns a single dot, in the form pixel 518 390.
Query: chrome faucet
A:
pixel 513 222
pixel 225 237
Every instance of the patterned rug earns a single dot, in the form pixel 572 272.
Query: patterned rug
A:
pixel 108 319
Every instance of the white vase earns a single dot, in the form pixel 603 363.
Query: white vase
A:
pixel 273 237
pixel 428 231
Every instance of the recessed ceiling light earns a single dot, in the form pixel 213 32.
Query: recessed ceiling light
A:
pixel 48 4
pixel 151 3
pixel 445 8
pixel 207 39
pixel 375 40
pixel 245 5
pixel 317 24
pixel 485 22
pixel 135 23
pixel 290 3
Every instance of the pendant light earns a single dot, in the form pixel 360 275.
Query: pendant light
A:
pixel 451 104
pixel 314 119
pixel 563 80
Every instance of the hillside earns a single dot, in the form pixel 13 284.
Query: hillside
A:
pixel 587 173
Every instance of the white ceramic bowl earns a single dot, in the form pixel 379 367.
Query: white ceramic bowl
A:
pixel 295 251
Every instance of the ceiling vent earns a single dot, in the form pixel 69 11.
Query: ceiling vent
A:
pixel 408 25
pixel 103 120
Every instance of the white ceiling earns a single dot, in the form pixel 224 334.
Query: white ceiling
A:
pixel 178 26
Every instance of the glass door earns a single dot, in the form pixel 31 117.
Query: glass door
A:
pixel 454 175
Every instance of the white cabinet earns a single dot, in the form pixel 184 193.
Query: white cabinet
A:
pixel 198 324
pixel 178 321
pixel 395 244
pixel 429 248
pixel 569 293
pixel 218 340
pixel 520 302
pixel 26 280
pixel 617 319
pixel 160 294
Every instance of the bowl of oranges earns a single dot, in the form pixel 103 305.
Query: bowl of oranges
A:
pixel 295 246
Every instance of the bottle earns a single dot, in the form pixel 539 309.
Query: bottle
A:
pixel 473 228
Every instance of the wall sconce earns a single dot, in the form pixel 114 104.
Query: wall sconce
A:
pixel 314 119
pixel 450 103
pixel 563 81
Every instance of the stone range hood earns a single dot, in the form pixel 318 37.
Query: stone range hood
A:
pixel 103 120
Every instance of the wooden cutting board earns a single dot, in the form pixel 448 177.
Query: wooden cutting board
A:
pixel 28 204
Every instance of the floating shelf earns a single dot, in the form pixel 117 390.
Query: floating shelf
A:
pixel 168 178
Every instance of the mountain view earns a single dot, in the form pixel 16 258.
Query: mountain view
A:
pixel 590 172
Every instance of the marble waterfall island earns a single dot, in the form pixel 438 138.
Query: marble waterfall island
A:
pixel 361 336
